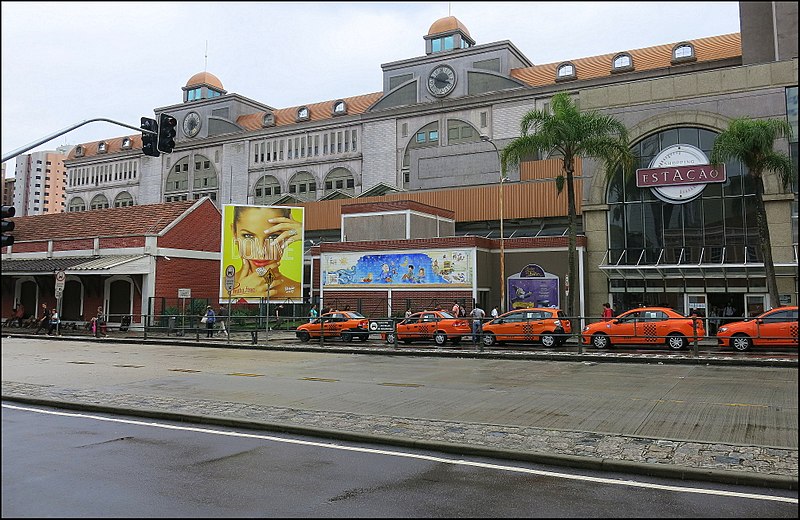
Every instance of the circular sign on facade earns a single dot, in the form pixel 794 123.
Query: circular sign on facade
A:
pixel 669 168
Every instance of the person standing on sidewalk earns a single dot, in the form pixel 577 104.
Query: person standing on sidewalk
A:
pixel 312 314
pixel 54 322
pixel 477 323
pixel 222 318
pixel 608 312
pixel 209 318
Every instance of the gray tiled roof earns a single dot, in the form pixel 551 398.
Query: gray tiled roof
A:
pixel 51 265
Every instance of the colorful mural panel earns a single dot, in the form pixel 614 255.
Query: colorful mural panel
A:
pixel 432 268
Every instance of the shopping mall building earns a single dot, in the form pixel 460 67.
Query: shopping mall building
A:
pixel 410 176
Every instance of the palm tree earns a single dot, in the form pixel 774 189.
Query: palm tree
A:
pixel 569 133
pixel 751 141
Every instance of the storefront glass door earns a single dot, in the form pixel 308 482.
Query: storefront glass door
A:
pixel 754 304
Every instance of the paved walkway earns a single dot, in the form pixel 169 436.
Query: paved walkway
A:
pixel 642 418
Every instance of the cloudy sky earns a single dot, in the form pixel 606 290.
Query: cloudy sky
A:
pixel 66 62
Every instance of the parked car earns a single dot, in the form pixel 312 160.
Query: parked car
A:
pixel 439 326
pixel 344 324
pixel 644 326
pixel 545 325
pixel 776 327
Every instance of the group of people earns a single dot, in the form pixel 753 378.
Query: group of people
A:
pixel 210 318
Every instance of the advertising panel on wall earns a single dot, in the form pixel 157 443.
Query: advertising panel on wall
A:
pixel 264 244
pixel 533 287
pixel 430 268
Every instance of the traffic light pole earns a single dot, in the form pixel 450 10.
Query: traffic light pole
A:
pixel 20 151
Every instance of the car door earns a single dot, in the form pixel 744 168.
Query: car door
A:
pixel 537 323
pixel 652 327
pixel 623 329
pixel 515 327
pixel 773 328
pixel 428 325
pixel 333 327
pixel 406 329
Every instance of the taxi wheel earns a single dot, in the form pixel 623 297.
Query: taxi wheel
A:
pixel 548 340
pixel 677 341
pixel 741 342
pixel 390 337
pixel 303 336
pixel 347 337
pixel 489 339
pixel 440 338
pixel 600 341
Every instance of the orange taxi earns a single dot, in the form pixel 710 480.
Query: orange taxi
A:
pixel 344 324
pixel 776 327
pixel 440 326
pixel 644 326
pixel 548 326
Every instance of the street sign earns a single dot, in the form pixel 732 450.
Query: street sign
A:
pixel 59 292
pixel 381 325
pixel 184 293
pixel 61 280
pixel 230 271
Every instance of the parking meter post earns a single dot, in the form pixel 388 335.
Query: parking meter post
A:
pixel 695 350
pixel 576 334
pixel 394 329
pixel 228 320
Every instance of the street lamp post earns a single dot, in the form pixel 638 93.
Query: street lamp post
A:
pixel 485 138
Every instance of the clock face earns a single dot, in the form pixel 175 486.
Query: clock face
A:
pixel 441 81
pixel 191 124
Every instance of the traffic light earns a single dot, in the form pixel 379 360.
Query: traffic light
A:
pixel 166 133
pixel 149 140
pixel 8 226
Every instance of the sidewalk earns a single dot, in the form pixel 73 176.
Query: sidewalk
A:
pixel 573 413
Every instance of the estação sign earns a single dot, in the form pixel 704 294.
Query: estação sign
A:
pixel 679 174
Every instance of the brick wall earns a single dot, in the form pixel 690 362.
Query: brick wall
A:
pixel 197 231
pixel 201 276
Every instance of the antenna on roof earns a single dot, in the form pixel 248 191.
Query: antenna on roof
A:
pixel 205 67
pixel 449 4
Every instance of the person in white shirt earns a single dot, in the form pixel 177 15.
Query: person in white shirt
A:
pixel 477 323
pixel 495 312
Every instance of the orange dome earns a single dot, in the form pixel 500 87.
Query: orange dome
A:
pixel 205 78
pixel 448 24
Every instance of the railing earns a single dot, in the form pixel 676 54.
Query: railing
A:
pixel 257 329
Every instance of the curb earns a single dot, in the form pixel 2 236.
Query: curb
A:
pixel 572 461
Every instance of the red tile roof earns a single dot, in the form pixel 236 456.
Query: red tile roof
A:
pixel 316 111
pixel 147 219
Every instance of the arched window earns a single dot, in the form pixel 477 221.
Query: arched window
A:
pixel 459 132
pixel 99 202
pixel 622 62
pixel 123 199
pixel 683 52
pixel 267 190
pixel 303 186
pixel 76 204
pixel 340 179
pixel 339 108
pixel 425 137
pixel 565 71
pixel 719 225
pixel 302 114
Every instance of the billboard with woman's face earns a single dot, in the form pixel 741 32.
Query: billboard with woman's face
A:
pixel 264 244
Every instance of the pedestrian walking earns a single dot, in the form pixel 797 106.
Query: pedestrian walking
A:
pixel 19 316
pixel 408 313
pixel 222 318
pixel 313 314
pixel 608 312
pixel 99 323
pixel 495 313
pixel 477 315
pixel 713 321
pixel 456 309
pixel 44 319
pixel 729 312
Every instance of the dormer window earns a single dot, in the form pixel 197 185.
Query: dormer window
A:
pixel 565 72
pixel 302 114
pixel 683 52
pixel 621 63
pixel 268 120
pixel 126 143
pixel 102 148
pixel 79 151
pixel 339 108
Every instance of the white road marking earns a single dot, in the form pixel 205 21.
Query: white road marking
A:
pixel 515 469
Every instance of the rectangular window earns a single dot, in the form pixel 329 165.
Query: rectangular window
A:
pixel 277 190
pixel 325 144
pixel 484 118
pixel 421 137
pixel 351 183
pixel 433 135
pixel 355 138
pixel 206 164
pixel 258 192
pixel 312 186
pixel 449 43
pixel 292 188
pixel 302 188
pixel 436 45
pixel 328 185
pixel 404 130
pixel 186 167
pixel 453 133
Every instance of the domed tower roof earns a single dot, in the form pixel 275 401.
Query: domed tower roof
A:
pixel 205 78
pixel 448 24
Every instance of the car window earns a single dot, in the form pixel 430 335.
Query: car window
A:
pixel 628 318
pixel 779 317
pixel 653 316
pixel 515 317
pixel 429 317
pixel 414 318
pixel 447 315
pixel 561 315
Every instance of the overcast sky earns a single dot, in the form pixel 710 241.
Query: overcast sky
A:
pixel 66 62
